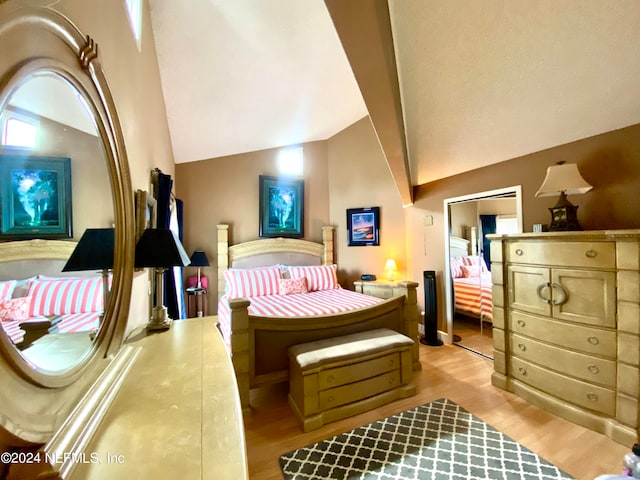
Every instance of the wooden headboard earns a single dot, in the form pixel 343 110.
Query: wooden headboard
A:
pixel 27 258
pixel 271 251
pixel 458 247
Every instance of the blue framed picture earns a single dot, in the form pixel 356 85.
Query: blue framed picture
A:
pixel 35 195
pixel 281 207
pixel 363 226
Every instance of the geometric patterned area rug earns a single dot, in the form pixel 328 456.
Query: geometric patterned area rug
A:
pixel 439 440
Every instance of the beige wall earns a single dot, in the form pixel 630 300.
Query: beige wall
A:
pixel 134 81
pixel 225 190
pixel 360 177
pixel 610 162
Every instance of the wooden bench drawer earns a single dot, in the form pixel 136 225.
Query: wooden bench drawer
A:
pixel 335 397
pixel 592 397
pixel 335 377
pixel 601 255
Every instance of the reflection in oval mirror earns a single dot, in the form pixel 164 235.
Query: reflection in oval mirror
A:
pixel 54 183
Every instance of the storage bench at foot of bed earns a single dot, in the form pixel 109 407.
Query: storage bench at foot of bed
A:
pixel 339 377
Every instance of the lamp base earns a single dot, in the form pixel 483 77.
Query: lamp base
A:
pixel 564 219
pixel 159 319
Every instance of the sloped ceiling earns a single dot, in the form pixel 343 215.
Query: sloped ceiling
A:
pixel 480 82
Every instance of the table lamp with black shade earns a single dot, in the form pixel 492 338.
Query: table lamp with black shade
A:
pixel 159 248
pixel 94 251
pixel 199 259
pixel 563 179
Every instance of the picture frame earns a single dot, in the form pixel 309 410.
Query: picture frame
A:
pixel 363 227
pixel 145 212
pixel 35 197
pixel 281 207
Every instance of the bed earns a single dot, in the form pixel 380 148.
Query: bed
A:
pixel 37 299
pixel 471 281
pixel 259 330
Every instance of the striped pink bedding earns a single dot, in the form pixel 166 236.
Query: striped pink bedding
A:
pixel 473 295
pixel 321 302
pixel 72 322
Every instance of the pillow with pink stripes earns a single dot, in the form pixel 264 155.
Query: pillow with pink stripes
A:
pixel 6 289
pixel 14 309
pixel 62 297
pixel 252 282
pixel 319 277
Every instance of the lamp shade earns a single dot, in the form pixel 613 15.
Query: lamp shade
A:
pixel 93 252
pixel 160 248
pixel 563 178
pixel 199 259
pixel 391 265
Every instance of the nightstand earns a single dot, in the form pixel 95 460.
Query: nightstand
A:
pixel 196 302
pixel 379 288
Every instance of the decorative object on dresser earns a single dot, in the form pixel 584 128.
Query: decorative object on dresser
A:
pixel 159 248
pixel 338 377
pixel 199 259
pixel 94 252
pixel 437 440
pixel 281 207
pixel 563 178
pixel 363 226
pixel 390 267
pixel 565 325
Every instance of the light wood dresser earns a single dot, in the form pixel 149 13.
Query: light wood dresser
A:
pixel 566 325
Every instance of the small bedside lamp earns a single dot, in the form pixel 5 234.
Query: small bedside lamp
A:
pixel 199 259
pixel 159 248
pixel 563 178
pixel 390 267
pixel 94 252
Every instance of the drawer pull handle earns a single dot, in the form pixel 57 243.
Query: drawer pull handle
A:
pixel 330 379
pixel 593 340
pixel 392 380
pixel 522 347
pixel 330 399
pixel 541 287
pixel 521 323
pixel 593 369
pixel 592 396
pixel 519 252
pixel 591 254
pixel 392 362
pixel 562 298
pixel 522 371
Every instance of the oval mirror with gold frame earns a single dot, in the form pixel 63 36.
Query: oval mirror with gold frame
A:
pixel 56 409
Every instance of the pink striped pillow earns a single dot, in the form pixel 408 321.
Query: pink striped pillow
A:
pixel 252 282
pixel 456 270
pixel 62 297
pixel 321 277
pixel 6 289
pixel 474 261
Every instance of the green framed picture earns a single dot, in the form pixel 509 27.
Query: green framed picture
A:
pixel 281 207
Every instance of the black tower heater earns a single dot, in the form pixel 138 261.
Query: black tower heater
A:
pixel 430 310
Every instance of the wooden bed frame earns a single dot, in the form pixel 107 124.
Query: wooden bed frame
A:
pixel 259 344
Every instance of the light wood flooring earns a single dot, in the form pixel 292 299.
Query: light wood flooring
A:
pixel 471 336
pixel 447 372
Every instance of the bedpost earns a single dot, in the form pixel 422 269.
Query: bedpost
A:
pixel 240 355
pixel 327 241
pixel 223 256
pixel 411 318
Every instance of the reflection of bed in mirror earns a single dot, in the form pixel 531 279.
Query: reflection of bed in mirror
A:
pixel 260 329
pixel 471 280
pixel 50 316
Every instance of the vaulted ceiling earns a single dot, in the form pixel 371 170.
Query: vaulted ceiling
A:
pixel 450 85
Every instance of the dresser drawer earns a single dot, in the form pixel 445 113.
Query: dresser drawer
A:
pixel 569 254
pixel 334 397
pixel 380 291
pixel 592 397
pixel 355 372
pixel 579 365
pixel 591 340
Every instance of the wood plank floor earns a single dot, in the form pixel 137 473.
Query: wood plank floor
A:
pixel 447 372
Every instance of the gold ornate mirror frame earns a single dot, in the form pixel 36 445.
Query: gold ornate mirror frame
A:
pixel 57 414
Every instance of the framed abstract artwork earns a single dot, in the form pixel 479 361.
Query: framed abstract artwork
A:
pixel 363 226
pixel 281 207
pixel 35 193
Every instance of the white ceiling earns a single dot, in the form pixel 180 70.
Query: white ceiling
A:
pixel 481 81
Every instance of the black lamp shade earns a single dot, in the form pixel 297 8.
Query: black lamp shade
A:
pixel 199 259
pixel 93 252
pixel 160 248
